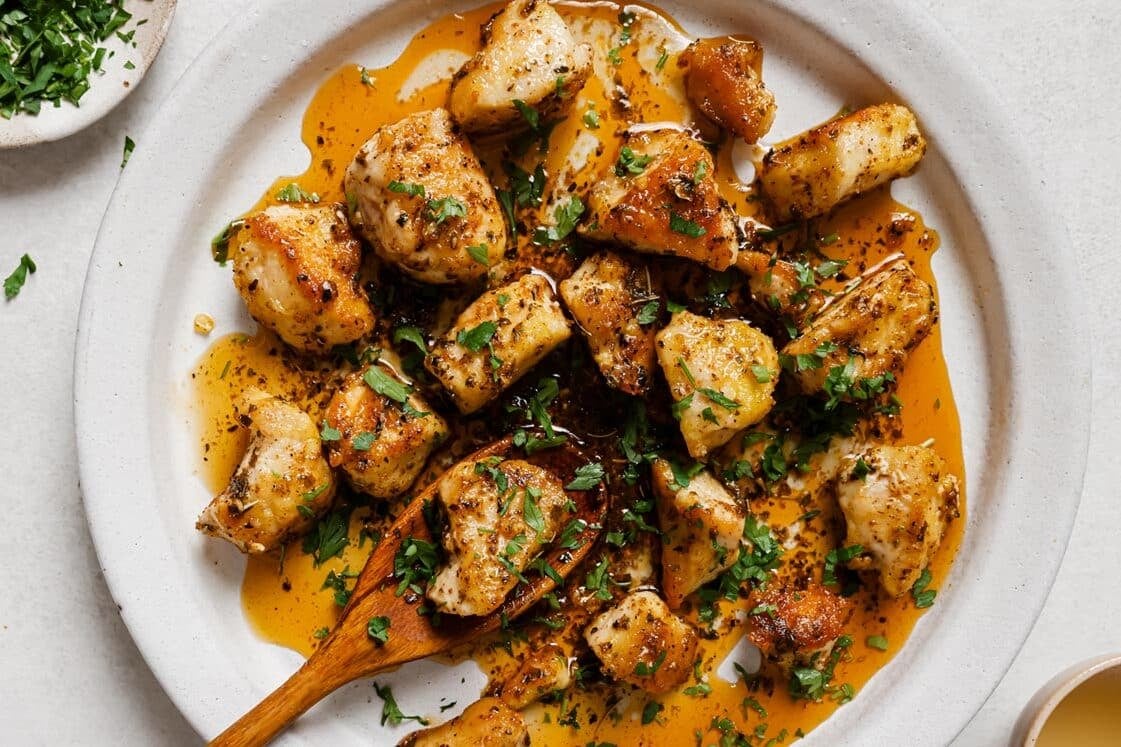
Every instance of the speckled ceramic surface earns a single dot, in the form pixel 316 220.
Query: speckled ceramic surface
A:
pixel 1009 303
pixel 107 88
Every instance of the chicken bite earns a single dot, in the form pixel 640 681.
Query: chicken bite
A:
pixel 296 268
pixel 701 529
pixel 282 485
pixel 868 332
pixel 528 55
pixel 810 174
pixel 485 723
pixel 500 514
pixel 421 198
pixel 897 502
pixel 543 671
pixel 497 340
pixel 382 443
pixel 721 374
pixel 607 296
pixel 797 626
pixel 660 197
pixel 641 642
pixel 723 78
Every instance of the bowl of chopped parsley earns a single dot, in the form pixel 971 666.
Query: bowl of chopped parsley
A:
pixel 64 64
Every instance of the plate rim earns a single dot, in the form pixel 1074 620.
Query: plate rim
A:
pixel 920 29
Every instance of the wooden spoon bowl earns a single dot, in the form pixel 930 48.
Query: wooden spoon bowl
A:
pixel 348 653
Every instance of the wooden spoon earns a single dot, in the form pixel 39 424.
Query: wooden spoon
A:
pixel 349 653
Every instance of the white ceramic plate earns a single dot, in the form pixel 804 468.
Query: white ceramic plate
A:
pixel 1018 354
pixel 107 88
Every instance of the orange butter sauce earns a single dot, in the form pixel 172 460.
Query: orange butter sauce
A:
pixel 283 596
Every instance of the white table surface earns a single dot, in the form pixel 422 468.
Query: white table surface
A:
pixel 70 674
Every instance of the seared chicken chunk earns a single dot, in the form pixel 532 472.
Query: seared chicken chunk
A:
pixel 382 444
pixel 701 529
pixel 897 501
pixel 721 374
pixel 421 198
pixel 500 514
pixel 497 339
pixel 296 268
pixel 723 78
pixel 544 670
pixel 793 625
pixel 282 484
pixel 775 285
pixel 606 295
pixel 809 174
pixel 641 642
pixel 528 55
pixel 874 326
pixel 485 723
pixel 660 197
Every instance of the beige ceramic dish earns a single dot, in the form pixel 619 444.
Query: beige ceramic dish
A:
pixel 1042 706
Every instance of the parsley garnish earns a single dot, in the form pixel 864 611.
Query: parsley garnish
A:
pixel 651 710
pixel 630 163
pixel 567 214
pixel 328 539
pixel 390 713
pixel 363 441
pixel 527 188
pixel 414 564
pixel 642 669
pixel 293 193
pixel 591 118
pixel 529 114
pixel 412 190
pixel 877 642
pixel 923 596
pixel 838 557
pixel 378 629
pixel 597 580
pixel 531 512
pixel 479 253
pixel 648 314
pixel 130 146
pixel 411 334
pixel 476 338
pixel 587 477
pixel 680 225
pixel 440 210
pixel 662 59
pixel 327 433
pixel 338 583
pixel 220 244
pixel 13 284
pixel 392 389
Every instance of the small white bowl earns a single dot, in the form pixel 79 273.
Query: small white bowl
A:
pixel 107 89
pixel 1043 703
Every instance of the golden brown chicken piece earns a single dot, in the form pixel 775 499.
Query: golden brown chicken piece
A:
pixel 774 284
pixel 721 374
pixel 544 670
pixel 897 502
pixel 382 444
pixel 660 197
pixel 874 326
pixel 641 642
pixel 528 55
pixel 724 79
pixel 283 483
pixel 809 174
pixel 701 527
pixel 500 514
pixel 790 625
pixel 295 268
pixel 485 723
pixel 420 196
pixel 497 340
pixel 606 296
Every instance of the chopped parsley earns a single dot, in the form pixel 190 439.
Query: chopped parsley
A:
pixel 648 313
pixel 390 713
pixel 328 538
pixel 587 477
pixel 294 193
pixel 130 146
pixel 377 629
pixel 567 215
pixel 877 642
pixel 838 558
pixel 406 188
pixel 440 210
pixel 479 253
pixel 337 582
pixel 13 284
pixel 662 59
pixel 685 227
pixel 642 669
pixel 220 244
pixel 414 565
pixel 327 433
pixel 408 333
pixel 390 388
pixel 651 710
pixel 363 441
pixel 598 580
pixel 630 163
pixel 476 338
pixel 923 596
pixel 591 118
pixel 527 188
pixel 529 114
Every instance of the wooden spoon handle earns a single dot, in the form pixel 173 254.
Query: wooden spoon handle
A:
pixel 285 704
